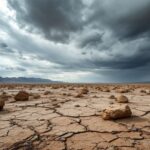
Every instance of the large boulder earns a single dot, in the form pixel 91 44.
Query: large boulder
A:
pixel 122 99
pixel 22 96
pixel 116 112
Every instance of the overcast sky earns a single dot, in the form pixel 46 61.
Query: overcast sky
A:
pixel 75 40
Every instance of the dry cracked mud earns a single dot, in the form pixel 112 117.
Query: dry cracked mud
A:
pixel 54 118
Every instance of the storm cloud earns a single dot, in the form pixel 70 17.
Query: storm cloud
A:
pixel 84 40
pixel 126 19
pixel 55 19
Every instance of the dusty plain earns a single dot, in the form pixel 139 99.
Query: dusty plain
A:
pixel 63 117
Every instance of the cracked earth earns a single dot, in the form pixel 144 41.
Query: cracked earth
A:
pixel 58 119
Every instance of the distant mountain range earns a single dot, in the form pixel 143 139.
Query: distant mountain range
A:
pixel 25 80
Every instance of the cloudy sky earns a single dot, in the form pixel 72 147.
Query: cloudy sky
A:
pixel 76 40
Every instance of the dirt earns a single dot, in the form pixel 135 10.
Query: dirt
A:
pixel 55 118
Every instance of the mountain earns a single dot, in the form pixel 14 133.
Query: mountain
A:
pixel 25 80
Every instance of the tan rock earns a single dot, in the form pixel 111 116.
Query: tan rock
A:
pixel 84 91
pixel 122 99
pixel 79 95
pixel 143 91
pixel 112 97
pixel 22 96
pixel 47 92
pixel 116 112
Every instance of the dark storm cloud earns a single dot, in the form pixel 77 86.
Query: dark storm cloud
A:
pixel 127 19
pixel 139 59
pixel 54 18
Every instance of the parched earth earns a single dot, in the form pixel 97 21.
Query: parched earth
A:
pixel 58 119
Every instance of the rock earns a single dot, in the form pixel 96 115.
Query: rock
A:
pixel 22 96
pixel 84 91
pixel 2 103
pixel 122 99
pixel 47 92
pixel 143 91
pixel 77 105
pixel 116 112
pixel 79 95
pixel 112 97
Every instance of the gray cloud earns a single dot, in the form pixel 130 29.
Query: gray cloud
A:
pixel 91 40
pixel 54 18
pixel 108 40
pixel 127 19
pixel 3 45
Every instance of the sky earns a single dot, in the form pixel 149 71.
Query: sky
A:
pixel 76 40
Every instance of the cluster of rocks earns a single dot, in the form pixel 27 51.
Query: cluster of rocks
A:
pixel 117 111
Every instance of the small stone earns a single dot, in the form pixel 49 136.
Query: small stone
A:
pixel 95 96
pixel 143 91
pixel 77 105
pixel 79 95
pixel 112 97
pixel 84 91
pixel 22 96
pixel 122 99
pixel 116 112
pixel 47 92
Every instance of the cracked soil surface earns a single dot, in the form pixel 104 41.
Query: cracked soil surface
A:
pixel 58 120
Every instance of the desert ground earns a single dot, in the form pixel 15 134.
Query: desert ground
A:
pixel 75 117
